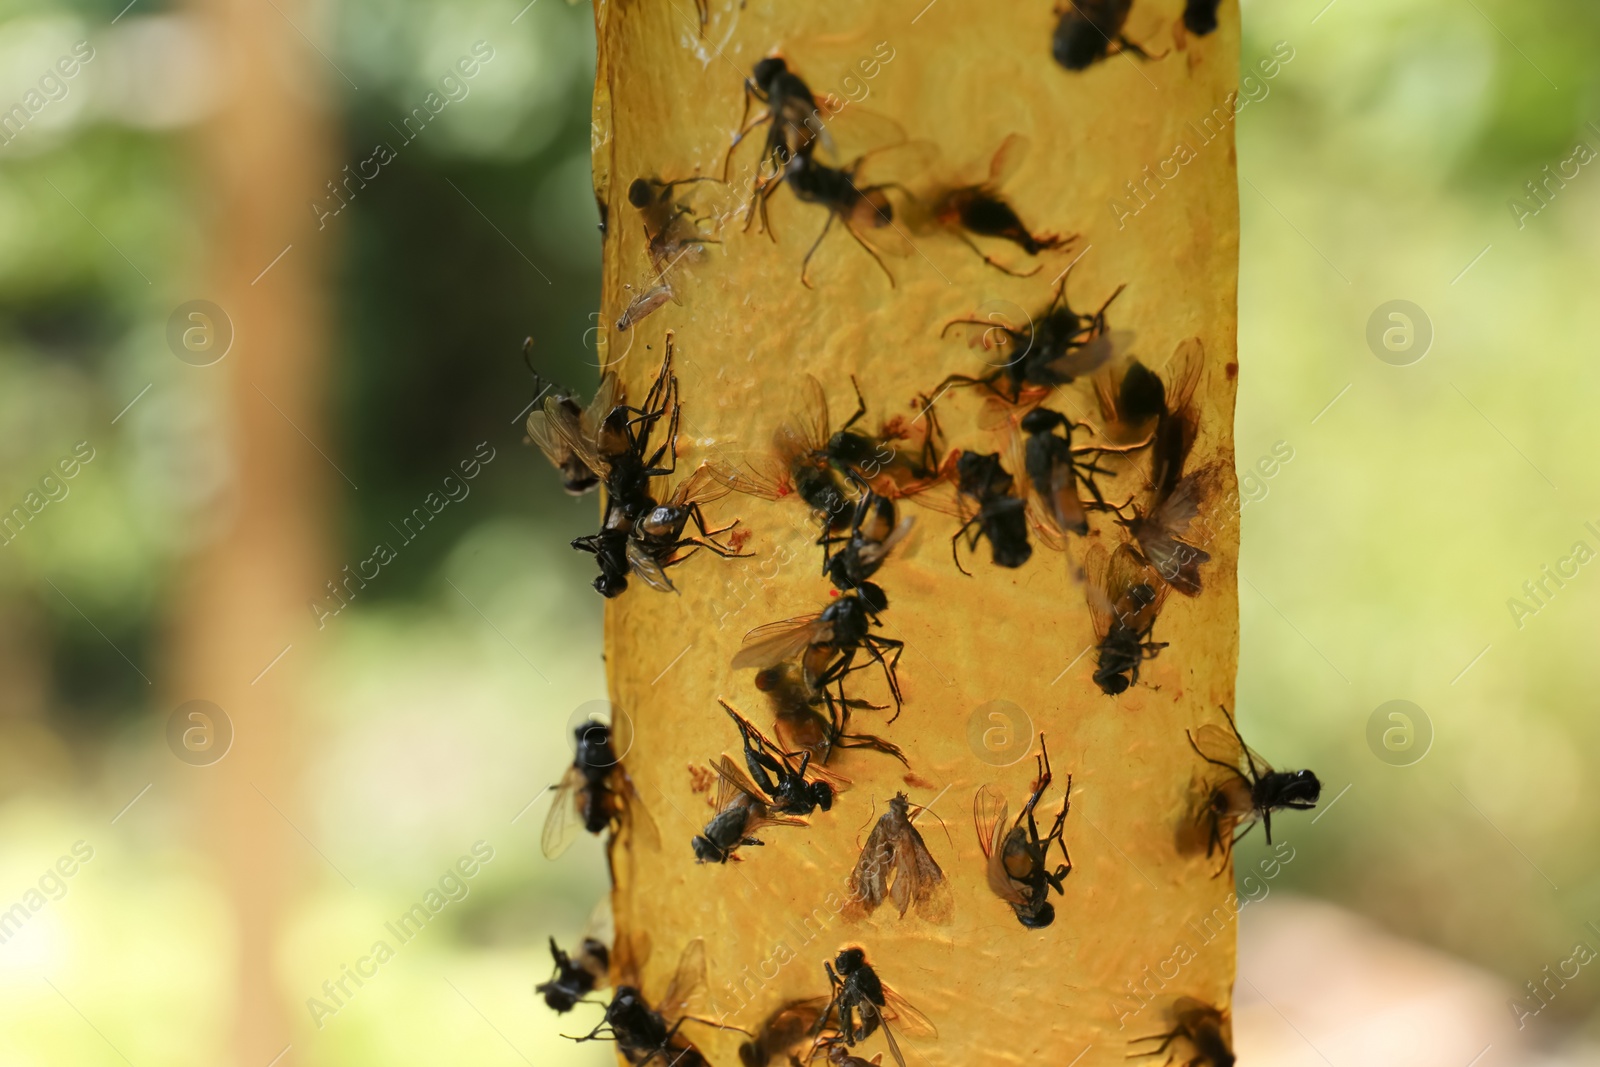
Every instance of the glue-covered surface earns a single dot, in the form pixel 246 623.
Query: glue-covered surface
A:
pixel 960 79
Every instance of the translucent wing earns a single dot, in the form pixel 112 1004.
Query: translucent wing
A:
pixel 1182 372
pixel 1008 159
pixel 869 1008
pixel 637 816
pixel 731 781
pixel 907 1020
pixel 809 424
pixel 688 982
pixel 562 825
pixel 1177 428
pixel 778 642
pixel 1138 594
pixel 945 500
pixel 643 304
pixel 574 434
pixel 701 487
pixel 765 480
pixel 989 815
pixel 1098 591
pixel 647 568
pixel 1220 746
pixel 1161 534
pixel 858 132
pixel 874 553
pixel 1085 359
pixel 545 436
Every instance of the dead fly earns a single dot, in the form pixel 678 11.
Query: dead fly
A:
pixel 1177 424
pixel 1056 347
pixel 862 1005
pixel 785 784
pixel 981 209
pixel 576 976
pixel 610 550
pixel 827 642
pixel 1136 403
pixel 657 536
pixel 643 304
pixel 557 406
pixel 896 864
pixel 1019 859
pixel 646 1034
pixel 670 226
pixel 1001 515
pixel 1090 30
pixel 1124 600
pixel 742 810
pixel 783 1033
pixel 1203 1027
pixel 813 722
pixel 595 794
pixel 1250 790
pixel 1200 17
pixel 1058 470
pixel 1162 527
pixel 789 113
pixel 1164 535
pixel 799 464
pixel 873 534
pixel 617 445
pixel 618 449
pixel 856 207
pixel 868 462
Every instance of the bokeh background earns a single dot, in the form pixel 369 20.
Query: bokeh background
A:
pixel 1437 462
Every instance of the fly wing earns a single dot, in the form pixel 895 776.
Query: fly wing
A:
pixel 562 825
pixel 688 982
pixel 636 816
pixel 607 395
pixel 858 132
pixel 573 432
pixel 701 487
pixel 731 781
pixel 989 814
pixel 1182 372
pixel 1100 590
pixel 1000 414
pixel 1162 534
pixel 647 568
pixel 1219 745
pixel 1140 590
pixel 872 554
pixel 761 479
pixel 778 642
pixel 1008 159
pixel 1085 359
pixel 543 434
pixel 646 302
pixel 810 423
pixel 907 1020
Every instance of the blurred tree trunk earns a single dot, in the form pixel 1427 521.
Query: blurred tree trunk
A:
pixel 263 156
pixel 963 75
